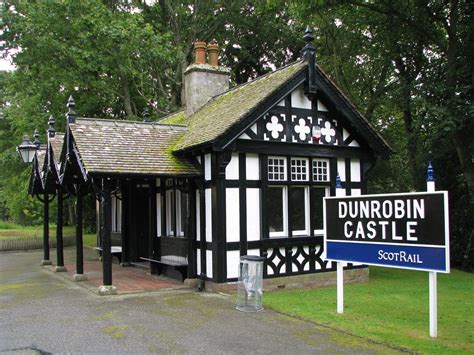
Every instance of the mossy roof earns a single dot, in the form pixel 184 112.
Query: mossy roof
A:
pixel 176 118
pixel 230 108
pixel 130 148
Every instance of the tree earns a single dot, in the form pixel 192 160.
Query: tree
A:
pixel 118 57
pixel 416 62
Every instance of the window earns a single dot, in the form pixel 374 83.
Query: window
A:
pixel 317 194
pixel 299 210
pixel 299 169
pixel 277 211
pixel 175 212
pixel 158 215
pixel 170 210
pixel 116 215
pixel 296 209
pixel 180 212
pixel 320 170
pixel 276 168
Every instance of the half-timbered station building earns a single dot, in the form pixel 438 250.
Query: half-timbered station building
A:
pixel 240 171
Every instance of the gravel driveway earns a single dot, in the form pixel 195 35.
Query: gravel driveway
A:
pixel 41 312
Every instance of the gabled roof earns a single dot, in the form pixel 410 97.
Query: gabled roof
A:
pixel 57 145
pixel 226 116
pixel 51 176
pixel 130 148
pixel 229 109
pixel 36 181
pixel 41 155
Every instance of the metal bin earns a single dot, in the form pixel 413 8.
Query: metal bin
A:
pixel 250 286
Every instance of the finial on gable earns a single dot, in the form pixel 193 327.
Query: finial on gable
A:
pixel 146 115
pixel 308 35
pixel 308 50
pixel 51 130
pixel 70 115
pixel 309 56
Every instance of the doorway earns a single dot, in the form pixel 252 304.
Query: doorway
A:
pixel 140 222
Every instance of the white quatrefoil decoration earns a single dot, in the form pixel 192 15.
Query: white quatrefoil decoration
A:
pixel 328 132
pixel 274 127
pixel 302 129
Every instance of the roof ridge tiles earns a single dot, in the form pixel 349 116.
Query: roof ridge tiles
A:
pixel 118 123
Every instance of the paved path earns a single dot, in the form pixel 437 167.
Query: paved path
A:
pixel 41 312
pixel 125 279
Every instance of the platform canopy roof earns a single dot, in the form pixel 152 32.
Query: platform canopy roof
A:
pixel 111 147
pixel 56 145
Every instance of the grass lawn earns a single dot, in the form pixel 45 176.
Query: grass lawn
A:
pixel 392 308
pixel 10 230
pixel 90 240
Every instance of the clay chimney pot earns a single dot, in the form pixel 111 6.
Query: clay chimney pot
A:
pixel 213 52
pixel 200 52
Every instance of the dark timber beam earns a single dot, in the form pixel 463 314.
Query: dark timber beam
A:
pixel 297 149
pixel 219 255
pixel 190 229
pixel 126 208
pixel 46 260
pixel 202 233
pixel 152 225
pixel 59 234
pixel 106 228
pixel 79 276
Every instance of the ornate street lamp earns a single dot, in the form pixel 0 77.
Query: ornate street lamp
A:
pixel 27 149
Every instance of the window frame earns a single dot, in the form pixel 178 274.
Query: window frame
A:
pixel 327 192
pixel 307 215
pixel 284 196
pixel 179 217
pixel 328 171
pixel 285 168
pixel 170 225
pixel 289 183
pixel 306 166
pixel 116 214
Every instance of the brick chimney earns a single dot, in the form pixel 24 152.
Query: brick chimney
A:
pixel 204 80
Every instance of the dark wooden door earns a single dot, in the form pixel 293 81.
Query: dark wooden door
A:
pixel 140 215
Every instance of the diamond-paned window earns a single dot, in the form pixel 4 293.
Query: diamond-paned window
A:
pixel 276 169
pixel 299 169
pixel 320 170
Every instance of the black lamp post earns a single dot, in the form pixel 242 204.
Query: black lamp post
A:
pixel 27 149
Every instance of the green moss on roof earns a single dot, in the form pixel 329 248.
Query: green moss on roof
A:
pixel 176 118
pixel 126 147
pixel 229 109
